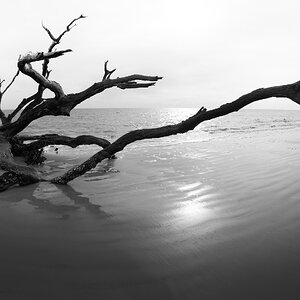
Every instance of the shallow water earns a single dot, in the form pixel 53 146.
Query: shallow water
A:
pixel 209 215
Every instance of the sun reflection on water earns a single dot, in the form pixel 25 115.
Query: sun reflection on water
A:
pixel 193 209
pixel 188 187
pixel 192 212
pixel 200 191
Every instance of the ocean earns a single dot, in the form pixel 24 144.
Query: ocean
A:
pixel 210 214
pixel 112 123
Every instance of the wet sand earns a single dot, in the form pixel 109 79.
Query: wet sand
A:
pixel 199 220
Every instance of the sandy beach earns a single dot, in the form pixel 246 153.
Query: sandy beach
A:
pixel 216 219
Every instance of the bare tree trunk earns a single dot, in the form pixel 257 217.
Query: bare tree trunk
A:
pixel 16 174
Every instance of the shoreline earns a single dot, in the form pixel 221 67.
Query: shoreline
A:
pixel 200 220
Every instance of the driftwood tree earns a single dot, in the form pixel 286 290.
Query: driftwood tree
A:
pixel 37 106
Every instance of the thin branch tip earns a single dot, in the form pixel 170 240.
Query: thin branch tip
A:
pixel 107 73
pixel 11 82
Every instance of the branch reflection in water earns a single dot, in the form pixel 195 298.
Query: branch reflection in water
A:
pixel 62 201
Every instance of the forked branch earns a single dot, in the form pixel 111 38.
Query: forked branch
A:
pixel 107 73
pixel 56 41
pixel 131 81
pixel 36 99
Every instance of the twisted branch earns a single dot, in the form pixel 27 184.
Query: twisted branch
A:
pixel 41 141
pixel 36 107
pixel 24 65
pixel 36 99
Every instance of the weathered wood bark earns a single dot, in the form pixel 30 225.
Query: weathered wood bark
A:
pixel 16 173
pixel 41 141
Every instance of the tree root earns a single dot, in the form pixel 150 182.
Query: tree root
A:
pixel 7 180
pixel 17 174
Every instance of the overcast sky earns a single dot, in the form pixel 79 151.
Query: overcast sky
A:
pixel 209 52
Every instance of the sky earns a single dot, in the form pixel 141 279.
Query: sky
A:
pixel 209 51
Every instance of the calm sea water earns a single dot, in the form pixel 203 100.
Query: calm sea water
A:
pixel 112 123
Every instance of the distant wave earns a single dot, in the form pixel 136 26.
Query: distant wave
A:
pixel 112 123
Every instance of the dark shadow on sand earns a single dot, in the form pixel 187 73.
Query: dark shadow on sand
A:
pixel 77 200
